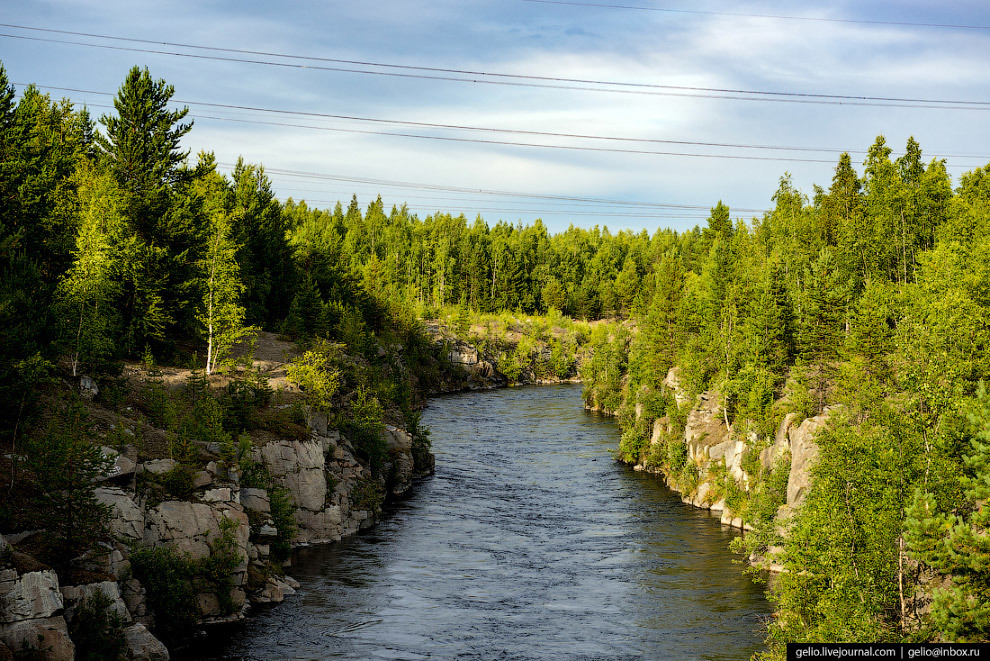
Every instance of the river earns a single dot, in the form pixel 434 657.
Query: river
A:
pixel 530 542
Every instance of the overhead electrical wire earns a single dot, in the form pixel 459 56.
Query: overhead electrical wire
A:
pixel 518 80
pixel 501 131
pixel 300 174
pixel 823 19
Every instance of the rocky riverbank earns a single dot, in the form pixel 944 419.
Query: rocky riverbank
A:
pixel 224 519
pixel 720 462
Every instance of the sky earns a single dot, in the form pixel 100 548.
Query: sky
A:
pixel 633 114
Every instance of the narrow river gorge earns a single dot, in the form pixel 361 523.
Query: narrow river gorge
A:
pixel 530 542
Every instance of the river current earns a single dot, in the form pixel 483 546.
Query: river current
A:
pixel 530 542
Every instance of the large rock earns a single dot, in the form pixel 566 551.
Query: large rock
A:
pixel 804 452
pixel 124 463
pixel 192 527
pixel 127 518
pixel 159 466
pixel 74 594
pixel 317 527
pixel 399 443
pixel 673 382
pixel 781 443
pixel 48 636
pixel 32 596
pixel 256 500
pixel 142 646
pixel 705 427
pixel 300 467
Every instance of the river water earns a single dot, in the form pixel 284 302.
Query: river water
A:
pixel 530 542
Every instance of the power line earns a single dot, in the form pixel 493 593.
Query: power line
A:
pixel 482 191
pixel 516 80
pixel 956 26
pixel 501 131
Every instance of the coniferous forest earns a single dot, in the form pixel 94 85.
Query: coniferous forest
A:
pixel 867 298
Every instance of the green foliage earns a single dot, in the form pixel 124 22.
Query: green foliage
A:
pixel 168 577
pixel 283 513
pixel 66 464
pixel 364 427
pixel 958 543
pixel 218 567
pixel 603 373
pixel 97 630
pixel 316 374
pixel 421 443
pixel 631 446
pixel 367 494
pixel 282 509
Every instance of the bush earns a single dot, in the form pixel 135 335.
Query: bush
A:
pixel 283 514
pixel 631 446
pixel 364 428
pixel 218 568
pixel 367 495
pixel 167 577
pixel 97 631
pixel 66 464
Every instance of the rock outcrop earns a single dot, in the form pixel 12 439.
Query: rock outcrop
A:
pixel 715 450
pixel 31 614
pixel 330 488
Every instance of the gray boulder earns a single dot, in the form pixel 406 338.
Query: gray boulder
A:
pixel 142 646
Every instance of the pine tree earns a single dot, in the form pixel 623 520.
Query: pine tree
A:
pixel 66 465
pixel 826 298
pixel 958 545
pixel 142 142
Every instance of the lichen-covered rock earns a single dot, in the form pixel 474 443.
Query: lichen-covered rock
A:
pixel 673 382
pixel 401 465
pixel 72 595
pixel 124 463
pixel 33 595
pixel 300 466
pixel 256 500
pixel 127 519
pixel 143 646
pixel 317 527
pixel 781 444
pixel 705 427
pixel 136 599
pixel 192 527
pixel 48 637
pixel 159 466
pixel 804 452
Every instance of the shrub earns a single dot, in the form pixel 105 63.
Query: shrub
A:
pixel 218 568
pixel 367 495
pixel 283 514
pixel 316 374
pixel 66 464
pixel 167 577
pixel 364 428
pixel 96 630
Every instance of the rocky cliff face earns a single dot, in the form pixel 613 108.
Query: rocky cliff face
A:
pixel 332 494
pixel 717 452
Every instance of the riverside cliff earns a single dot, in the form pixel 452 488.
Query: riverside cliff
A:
pixel 199 537
pixel 713 466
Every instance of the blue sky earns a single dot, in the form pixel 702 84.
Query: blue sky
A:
pixel 735 46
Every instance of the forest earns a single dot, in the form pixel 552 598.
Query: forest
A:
pixel 869 298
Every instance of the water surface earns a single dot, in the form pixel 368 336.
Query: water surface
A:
pixel 529 543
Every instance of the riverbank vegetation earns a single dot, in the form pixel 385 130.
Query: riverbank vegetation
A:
pixel 867 299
